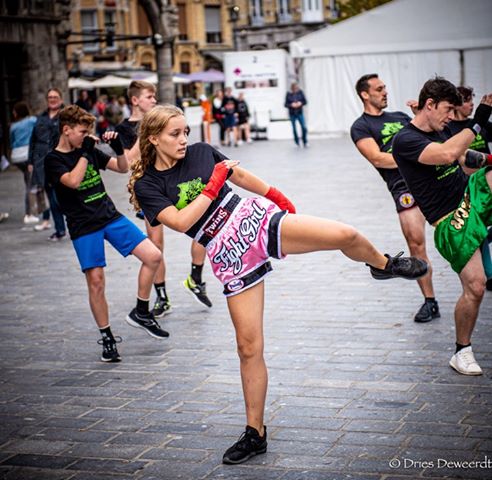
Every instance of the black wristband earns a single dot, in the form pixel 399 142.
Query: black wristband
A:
pixel 474 127
pixel 117 146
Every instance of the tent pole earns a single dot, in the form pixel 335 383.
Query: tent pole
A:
pixel 462 67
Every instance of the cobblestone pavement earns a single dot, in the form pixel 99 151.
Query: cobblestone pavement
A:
pixel 357 389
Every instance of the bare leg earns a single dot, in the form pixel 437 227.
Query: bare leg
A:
pixel 412 224
pixel 246 311
pixel 150 256
pixel 466 311
pixel 198 253
pixel 303 233
pixel 156 235
pixel 97 299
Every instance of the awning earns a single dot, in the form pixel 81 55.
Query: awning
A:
pixel 111 81
pixel 80 83
pixel 177 78
pixel 207 76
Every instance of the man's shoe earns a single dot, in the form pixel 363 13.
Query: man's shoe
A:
pixel 147 322
pixel 464 362
pixel 162 307
pixel 249 444
pixel 30 219
pixel 56 237
pixel 198 291
pixel 409 268
pixel 110 352
pixel 428 311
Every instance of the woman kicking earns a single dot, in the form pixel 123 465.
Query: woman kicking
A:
pixel 184 188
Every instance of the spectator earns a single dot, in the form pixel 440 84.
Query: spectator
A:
pixel 125 109
pixel 295 101
pixel 98 112
pixel 20 136
pixel 218 113
pixel 113 113
pixel 243 119
pixel 206 118
pixel 84 101
pixel 45 138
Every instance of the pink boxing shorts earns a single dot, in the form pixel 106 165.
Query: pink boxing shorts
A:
pixel 240 236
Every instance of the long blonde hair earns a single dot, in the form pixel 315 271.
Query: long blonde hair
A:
pixel 152 124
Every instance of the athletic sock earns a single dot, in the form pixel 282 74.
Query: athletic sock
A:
pixel 160 289
pixel 142 306
pixel 461 347
pixel 430 299
pixel 196 273
pixel 106 333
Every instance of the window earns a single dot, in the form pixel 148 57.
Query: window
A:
pixel 110 23
pixel 183 32
pixel 257 13
pixel 88 21
pixel 312 11
pixel 283 11
pixel 212 24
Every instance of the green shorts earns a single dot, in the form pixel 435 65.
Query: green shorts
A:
pixel 463 231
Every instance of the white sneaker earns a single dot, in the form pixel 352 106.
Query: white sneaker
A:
pixel 30 219
pixel 42 226
pixel 464 362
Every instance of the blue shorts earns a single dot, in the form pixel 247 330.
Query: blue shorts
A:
pixel 121 233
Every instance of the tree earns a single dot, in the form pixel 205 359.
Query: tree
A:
pixel 350 8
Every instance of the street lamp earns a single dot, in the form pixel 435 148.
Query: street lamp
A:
pixel 233 18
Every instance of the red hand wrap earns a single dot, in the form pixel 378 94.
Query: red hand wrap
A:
pixel 279 199
pixel 216 181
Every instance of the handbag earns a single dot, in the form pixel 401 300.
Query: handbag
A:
pixel 19 154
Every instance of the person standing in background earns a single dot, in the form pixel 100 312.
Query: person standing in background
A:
pixel 44 138
pixel 20 136
pixel 295 101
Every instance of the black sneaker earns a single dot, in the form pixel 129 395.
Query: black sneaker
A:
pixel 198 291
pixel 162 307
pixel 488 284
pixel 110 352
pixel 146 322
pixel 428 311
pixel 249 444
pixel 409 268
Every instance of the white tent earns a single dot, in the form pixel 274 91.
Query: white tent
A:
pixel 111 81
pixel 406 42
pixel 80 83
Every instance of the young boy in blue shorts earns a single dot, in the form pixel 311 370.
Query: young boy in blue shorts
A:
pixel 73 168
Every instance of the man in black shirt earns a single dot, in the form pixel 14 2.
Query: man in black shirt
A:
pixel 142 99
pixel 480 144
pixel 433 164
pixel 73 169
pixel 373 134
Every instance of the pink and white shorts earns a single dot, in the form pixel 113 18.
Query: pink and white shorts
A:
pixel 240 236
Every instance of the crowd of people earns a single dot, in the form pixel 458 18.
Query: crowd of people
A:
pixel 436 165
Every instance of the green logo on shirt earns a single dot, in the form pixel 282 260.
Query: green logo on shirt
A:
pixel 188 191
pixel 478 143
pixel 389 130
pixel 91 178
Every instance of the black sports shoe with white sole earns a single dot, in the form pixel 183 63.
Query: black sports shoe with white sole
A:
pixel 162 307
pixel 198 291
pixel 147 322
pixel 427 312
pixel 249 444
pixel 110 352
pixel 410 268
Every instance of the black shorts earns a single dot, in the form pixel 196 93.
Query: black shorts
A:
pixel 401 195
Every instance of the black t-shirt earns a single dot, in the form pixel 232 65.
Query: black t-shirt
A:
pixel 180 185
pixel 87 208
pixel 438 189
pixel 481 141
pixel 127 131
pixel 382 128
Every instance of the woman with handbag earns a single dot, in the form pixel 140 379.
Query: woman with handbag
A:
pixel 20 136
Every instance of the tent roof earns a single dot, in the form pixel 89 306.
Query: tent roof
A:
pixel 404 26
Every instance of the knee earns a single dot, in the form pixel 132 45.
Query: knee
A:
pixel 153 258
pixel 96 284
pixel 249 348
pixel 349 235
pixel 475 289
pixel 416 244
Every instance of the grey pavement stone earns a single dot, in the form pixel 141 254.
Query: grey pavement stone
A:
pixel 354 382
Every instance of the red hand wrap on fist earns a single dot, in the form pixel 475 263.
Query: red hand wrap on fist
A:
pixel 216 181
pixel 279 199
